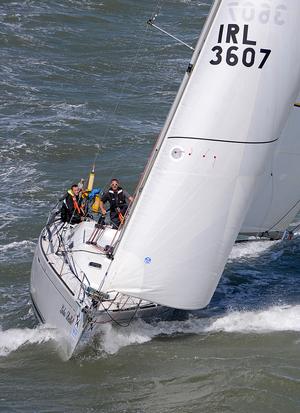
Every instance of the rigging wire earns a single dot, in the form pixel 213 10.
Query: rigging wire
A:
pixel 117 322
pixel 125 83
pixel 155 14
pixel 151 23
pixel 281 218
pixel 263 219
pixel 295 228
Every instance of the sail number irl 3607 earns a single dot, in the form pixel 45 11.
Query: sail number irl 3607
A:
pixel 234 55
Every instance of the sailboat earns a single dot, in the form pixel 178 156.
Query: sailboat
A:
pixel 230 110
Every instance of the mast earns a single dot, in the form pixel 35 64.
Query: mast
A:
pixel 224 124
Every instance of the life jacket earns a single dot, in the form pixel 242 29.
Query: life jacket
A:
pixel 77 208
pixel 116 199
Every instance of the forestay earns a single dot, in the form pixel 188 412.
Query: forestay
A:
pixel 228 114
pixel 277 198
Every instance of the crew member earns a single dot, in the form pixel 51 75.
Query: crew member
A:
pixel 71 210
pixel 118 200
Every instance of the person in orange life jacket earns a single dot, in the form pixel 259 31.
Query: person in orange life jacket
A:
pixel 118 200
pixel 71 210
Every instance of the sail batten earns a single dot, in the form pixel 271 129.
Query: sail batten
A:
pixel 211 155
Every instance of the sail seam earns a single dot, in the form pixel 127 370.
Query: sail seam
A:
pixel 222 140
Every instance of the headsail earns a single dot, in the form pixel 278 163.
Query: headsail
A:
pixel 277 198
pixel 228 114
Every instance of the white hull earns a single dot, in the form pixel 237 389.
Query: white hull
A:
pixel 66 302
pixel 54 303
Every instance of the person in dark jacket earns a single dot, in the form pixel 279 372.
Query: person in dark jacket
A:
pixel 118 200
pixel 71 210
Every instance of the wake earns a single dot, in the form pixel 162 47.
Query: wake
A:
pixel 111 339
pixel 273 319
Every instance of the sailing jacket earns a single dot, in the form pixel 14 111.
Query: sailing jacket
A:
pixel 116 199
pixel 71 210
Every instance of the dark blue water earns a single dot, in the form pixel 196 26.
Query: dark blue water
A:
pixel 86 79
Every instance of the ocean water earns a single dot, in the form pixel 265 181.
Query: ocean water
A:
pixel 88 79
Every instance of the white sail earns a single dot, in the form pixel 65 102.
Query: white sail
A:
pixel 229 112
pixel 277 198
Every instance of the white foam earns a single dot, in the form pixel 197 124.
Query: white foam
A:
pixel 14 338
pixel 112 338
pixel 277 318
pixel 273 319
pixel 250 249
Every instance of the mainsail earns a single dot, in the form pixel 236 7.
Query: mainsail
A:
pixel 229 112
pixel 277 198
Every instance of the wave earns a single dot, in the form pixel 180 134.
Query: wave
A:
pixel 276 318
pixel 16 245
pixel 19 249
pixel 15 338
pixel 111 338
pixel 273 319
